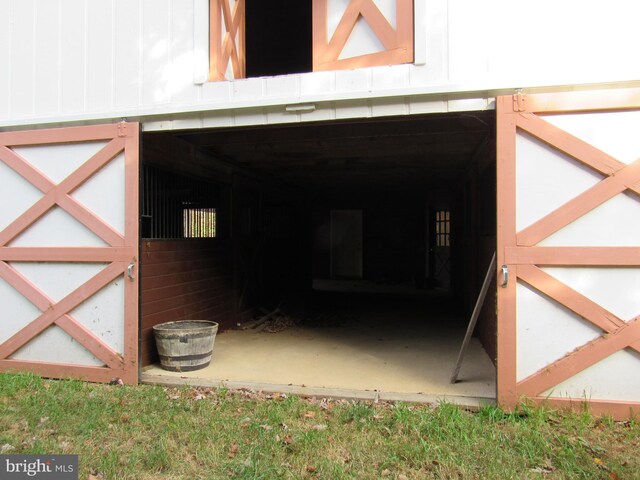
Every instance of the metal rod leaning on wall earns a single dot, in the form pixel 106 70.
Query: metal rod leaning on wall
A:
pixel 474 317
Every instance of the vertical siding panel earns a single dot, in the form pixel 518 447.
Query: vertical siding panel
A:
pixel 353 80
pixel 468 46
pixel 466 104
pixel 72 57
pixel 278 115
pixel 282 86
pixel 22 58
pixel 127 53
pixel 155 42
pixel 181 85
pixel 250 116
pixel 323 112
pixel 155 126
pixel 218 92
pixel 433 53
pixel 216 119
pixel 426 105
pixel 390 77
pixel 384 107
pixel 201 42
pixel 47 65
pixel 252 88
pixel 5 57
pixel 99 59
pixel 353 109
pixel 317 83
pixel 184 123
pixel 420 31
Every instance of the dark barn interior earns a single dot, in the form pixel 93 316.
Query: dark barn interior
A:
pixel 397 210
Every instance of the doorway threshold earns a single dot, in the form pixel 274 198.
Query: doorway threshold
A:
pixel 151 377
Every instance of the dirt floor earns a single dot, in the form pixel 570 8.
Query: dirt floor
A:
pixel 361 346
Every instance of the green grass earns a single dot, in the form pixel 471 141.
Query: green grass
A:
pixel 147 432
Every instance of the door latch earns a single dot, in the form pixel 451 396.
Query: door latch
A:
pixel 130 271
pixel 505 276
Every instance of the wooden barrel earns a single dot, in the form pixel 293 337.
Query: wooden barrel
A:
pixel 185 345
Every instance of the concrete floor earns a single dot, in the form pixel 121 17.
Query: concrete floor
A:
pixel 399 350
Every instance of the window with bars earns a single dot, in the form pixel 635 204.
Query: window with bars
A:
pixel 177 206
pixel 443 228
pixel 199 222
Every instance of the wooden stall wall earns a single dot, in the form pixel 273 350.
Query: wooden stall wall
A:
pixel 486 329
pixel 474 242
pixel 481 244
pixel 185 279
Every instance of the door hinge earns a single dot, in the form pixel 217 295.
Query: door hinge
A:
pixel 519 101
pixel 122 129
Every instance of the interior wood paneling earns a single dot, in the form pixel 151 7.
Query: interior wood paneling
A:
pixel 184 279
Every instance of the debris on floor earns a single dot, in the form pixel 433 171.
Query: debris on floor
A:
pixel 260 319
pixel 278 322
pixel 292 313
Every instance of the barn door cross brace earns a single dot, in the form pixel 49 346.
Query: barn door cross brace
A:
pixel 59 194
pixel 58 313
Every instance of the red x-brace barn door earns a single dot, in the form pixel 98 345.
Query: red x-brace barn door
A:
pixel 68 252
pixel 569 249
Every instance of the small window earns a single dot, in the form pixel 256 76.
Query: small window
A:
pixel 199 222
pixel 443 228
pixel 176 206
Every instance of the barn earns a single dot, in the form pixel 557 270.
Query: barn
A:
pixel 329 181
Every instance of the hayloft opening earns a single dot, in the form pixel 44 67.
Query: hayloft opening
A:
pixel 278 37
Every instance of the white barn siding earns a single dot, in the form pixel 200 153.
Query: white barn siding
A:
pixel 21 58
pixel 47 59
pixel 564 42
pixel 99 79
pixel 83 60
pixel 156 43
pixel 5 59
pixel 127 65
pixel 72 57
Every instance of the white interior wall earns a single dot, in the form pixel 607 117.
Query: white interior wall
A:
pixel 81 60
